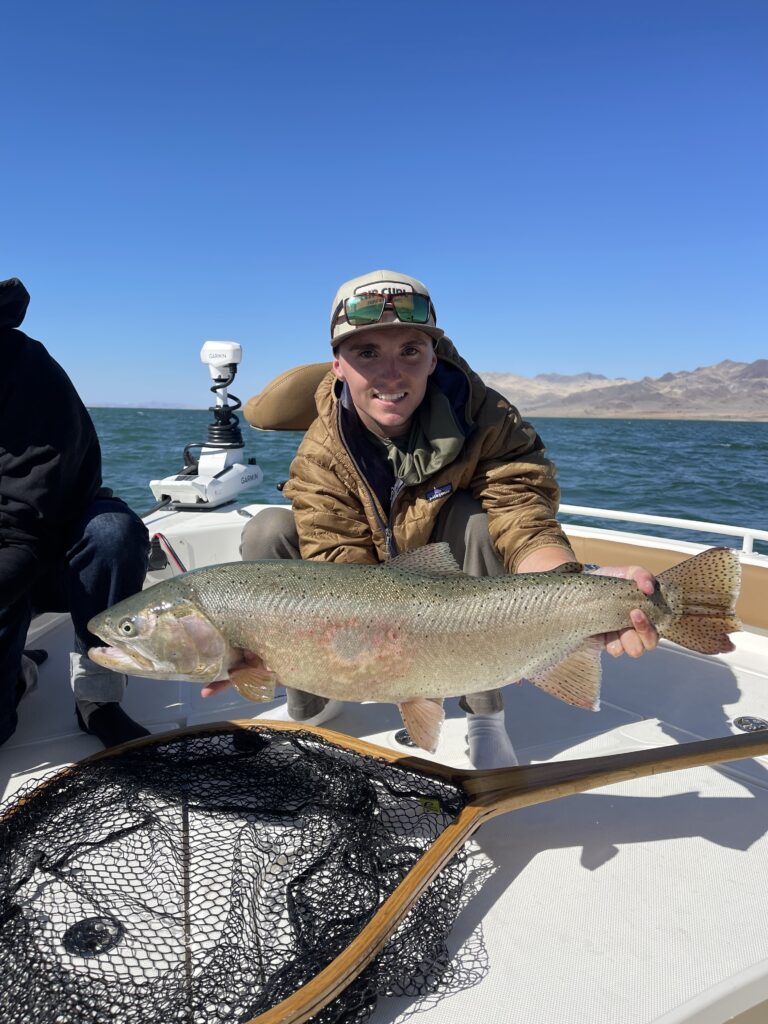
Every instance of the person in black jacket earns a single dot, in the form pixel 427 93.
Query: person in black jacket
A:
pixel 66 544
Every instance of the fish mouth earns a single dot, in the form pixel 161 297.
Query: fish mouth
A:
pixel 131 663
pixel 120 659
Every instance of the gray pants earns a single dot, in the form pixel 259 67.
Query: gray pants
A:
pixel 461 523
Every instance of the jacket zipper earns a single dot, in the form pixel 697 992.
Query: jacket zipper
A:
pixel 388 533
pixel 384 526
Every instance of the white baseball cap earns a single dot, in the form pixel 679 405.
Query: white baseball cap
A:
pixel 359 304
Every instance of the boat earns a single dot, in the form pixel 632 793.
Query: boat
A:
pixel 643 901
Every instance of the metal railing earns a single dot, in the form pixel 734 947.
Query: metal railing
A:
pixel 748 536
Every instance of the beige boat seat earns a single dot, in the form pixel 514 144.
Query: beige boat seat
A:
pixel 288 401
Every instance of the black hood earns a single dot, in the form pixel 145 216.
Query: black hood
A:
pixel 14 299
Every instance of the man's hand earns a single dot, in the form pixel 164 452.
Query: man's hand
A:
pixel 634 640
pixel 217 687
pixel 642 635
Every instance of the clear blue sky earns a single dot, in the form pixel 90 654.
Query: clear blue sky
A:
pixel 581 183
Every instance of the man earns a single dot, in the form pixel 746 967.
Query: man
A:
pixel 411 447
pixel 65 543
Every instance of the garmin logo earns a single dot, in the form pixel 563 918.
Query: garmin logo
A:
pixel 249 477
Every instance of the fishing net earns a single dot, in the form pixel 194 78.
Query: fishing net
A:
pixel 203 878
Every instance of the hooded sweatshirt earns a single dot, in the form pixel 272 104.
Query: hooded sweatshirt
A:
pixel 50 460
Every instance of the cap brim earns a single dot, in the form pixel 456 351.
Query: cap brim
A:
pixel 433 332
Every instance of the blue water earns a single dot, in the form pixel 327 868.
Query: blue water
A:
pixel 713 471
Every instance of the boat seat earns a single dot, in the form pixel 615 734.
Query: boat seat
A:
pixel 288 401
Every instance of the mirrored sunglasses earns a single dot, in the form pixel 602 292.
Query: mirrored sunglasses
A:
pixel 368 308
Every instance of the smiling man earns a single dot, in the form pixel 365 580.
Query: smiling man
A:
pixel 387 377
pixel 411 447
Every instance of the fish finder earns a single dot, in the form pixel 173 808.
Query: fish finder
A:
pixel 222 358
pixel 220 472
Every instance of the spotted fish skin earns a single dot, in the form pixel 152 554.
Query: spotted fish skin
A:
pixel 415 627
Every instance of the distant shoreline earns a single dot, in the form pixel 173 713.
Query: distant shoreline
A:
pixel 728 392
pixel 145 408
pixel 690 417
pixel 526 413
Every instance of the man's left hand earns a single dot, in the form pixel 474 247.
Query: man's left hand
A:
pixel 642 635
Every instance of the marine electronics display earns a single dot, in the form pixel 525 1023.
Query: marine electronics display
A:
pixel 221 470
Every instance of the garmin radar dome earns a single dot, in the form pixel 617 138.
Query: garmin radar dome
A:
pixel 221 471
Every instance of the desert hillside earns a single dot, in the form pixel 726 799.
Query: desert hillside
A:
pixel 726 391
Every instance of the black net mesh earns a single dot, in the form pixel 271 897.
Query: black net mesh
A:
pixel 204 878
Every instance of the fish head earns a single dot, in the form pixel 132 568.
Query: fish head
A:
pixel 165 638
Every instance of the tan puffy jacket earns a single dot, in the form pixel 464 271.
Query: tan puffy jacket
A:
pixel 502 463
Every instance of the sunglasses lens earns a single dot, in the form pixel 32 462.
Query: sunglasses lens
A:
pixel 365 309
pixel 411 308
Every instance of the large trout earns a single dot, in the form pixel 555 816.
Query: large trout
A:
pixel 411 631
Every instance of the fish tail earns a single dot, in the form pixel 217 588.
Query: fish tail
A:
pixel 702 592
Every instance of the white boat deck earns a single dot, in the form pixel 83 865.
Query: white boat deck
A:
pixel 635 903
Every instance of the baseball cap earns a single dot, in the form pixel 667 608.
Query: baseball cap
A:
pixel 419 312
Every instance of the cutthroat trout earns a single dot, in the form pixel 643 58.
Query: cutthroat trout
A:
pixel 411 631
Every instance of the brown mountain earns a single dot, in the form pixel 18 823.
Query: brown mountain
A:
pixel 726 391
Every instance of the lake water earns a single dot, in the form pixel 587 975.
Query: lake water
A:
pixel 713 471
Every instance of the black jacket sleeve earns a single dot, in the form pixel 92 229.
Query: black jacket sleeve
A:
pixel 50 462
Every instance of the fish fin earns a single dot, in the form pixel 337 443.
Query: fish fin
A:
pixel 576 679
pixel 568 567
pixel 253 683
pixel 704 604
pixel 430 560
pixel 707 635
pixel 423 718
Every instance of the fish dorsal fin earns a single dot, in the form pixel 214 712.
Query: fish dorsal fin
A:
pixel 423 718
pixel 431 560
pixel 576 679
pixel 568 567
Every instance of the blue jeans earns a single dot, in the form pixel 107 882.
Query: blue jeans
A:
pixel 105 561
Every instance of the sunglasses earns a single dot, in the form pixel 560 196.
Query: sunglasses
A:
pixel 368 308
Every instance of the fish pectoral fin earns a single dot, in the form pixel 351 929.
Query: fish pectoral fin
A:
pixel 252 682
pixel 423 718
pixel 576 679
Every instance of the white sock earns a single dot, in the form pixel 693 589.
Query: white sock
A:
pixel 29 674
pixel 331 710
pixel 489 742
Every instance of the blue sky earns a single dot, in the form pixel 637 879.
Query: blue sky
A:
pixel 581 183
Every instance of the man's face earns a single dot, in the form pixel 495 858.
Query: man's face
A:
pixel 386 372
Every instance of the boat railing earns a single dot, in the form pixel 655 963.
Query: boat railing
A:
pixel 747 535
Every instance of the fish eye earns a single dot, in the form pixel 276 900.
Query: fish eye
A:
pixel 126 627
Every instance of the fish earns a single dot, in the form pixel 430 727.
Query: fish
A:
pixel 411 631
